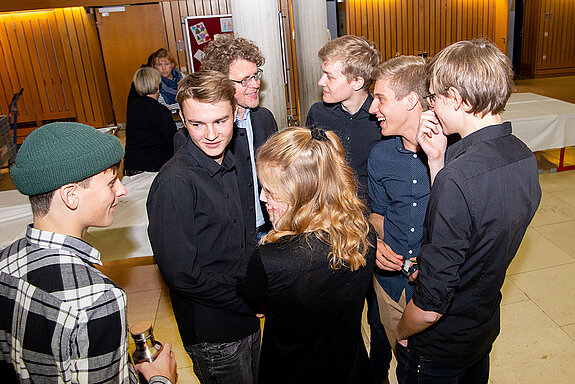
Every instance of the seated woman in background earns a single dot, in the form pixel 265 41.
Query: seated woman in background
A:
pixel 150 128
pixel 311 272
pixel 164 62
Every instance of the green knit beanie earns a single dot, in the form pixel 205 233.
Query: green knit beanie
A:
pixel 60 153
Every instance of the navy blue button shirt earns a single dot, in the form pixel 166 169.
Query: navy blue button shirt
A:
pixel 399 184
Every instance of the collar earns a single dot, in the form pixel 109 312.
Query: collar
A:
pixel 363 110
pixel 206 162
pixel 486 133
pixel 73 245
pixel 245 119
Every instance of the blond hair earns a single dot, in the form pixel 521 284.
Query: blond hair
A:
pixel 481 73
pixel 406 74
pixel 147 81
pixel 357 55
pixel 307 170
pixel 206 87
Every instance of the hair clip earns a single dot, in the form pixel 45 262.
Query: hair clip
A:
pixel 318 134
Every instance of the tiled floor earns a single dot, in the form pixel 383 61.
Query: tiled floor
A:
pixel 537 340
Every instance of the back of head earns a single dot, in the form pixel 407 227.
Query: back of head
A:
pixel 225 49
pixel 161 53
pixel 206 86
pixel 358 56
pixel 406 74
pixel 61 153
pixel 147 81
pixel 481 73
pixel 307 170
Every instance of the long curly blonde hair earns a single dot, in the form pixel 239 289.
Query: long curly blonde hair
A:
pixel 306 168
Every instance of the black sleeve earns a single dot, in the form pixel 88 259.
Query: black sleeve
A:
pixel 254 287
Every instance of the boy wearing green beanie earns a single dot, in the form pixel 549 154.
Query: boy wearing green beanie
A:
pixel 62 320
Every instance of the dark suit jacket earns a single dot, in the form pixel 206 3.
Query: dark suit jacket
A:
pixel 264 125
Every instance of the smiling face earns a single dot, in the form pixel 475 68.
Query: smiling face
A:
pixel 210 125
pixel 99 198
pixel 392 114
pixel 248 96
pixel 336 87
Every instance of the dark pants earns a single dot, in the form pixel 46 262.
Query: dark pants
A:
pixel 380 350
pixel 414 369
pixel 236 362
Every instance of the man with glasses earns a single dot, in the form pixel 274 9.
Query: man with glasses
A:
pixel 241 60
pixel 485 192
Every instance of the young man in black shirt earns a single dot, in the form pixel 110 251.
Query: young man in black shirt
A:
pixel 197 212
pixel 485 191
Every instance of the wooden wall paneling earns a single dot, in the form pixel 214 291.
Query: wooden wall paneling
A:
pixel 404 28
pixel 191 8
pixel 385 35
pixel 14 73
pixel 561 47
pixel 105 114
pixel 89 94
pixel 75 68
pixel 369 21
pixel 376 23
pixel 208 7
pixel 169 24
pixel 570 30
pixel 183 12
pixel 542 58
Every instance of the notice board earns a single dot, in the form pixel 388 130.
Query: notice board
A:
pixel 200 30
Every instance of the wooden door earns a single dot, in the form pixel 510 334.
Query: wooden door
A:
pixel 127 40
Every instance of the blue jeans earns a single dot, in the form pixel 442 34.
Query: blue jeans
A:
pixel 380 350
pixel 236 362
pixel 415 369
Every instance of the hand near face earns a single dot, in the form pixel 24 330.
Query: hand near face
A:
pixel 430 136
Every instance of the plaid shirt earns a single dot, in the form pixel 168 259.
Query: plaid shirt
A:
pixel 61 320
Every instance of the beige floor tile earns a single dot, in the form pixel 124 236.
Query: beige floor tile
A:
pixel 134 275
pixel 186 376
pixel 559 181
pixel 531 348
pixel 511 293
pixel 567 196
pixel 570 330
pixel 552 289
pixel 552 210
pixel 560 234
pixel 142 306
pixel 537 252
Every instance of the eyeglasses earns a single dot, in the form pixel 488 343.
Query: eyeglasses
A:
pixel 430 99
pixel 245 82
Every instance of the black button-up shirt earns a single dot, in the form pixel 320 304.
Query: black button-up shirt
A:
pixel 198 235
pixel 480 206
pixel 358 133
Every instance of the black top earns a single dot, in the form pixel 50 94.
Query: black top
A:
pixel 150 133
pixel 263 125
pixel 312 331
pixel 358 133
pixel 479 208
pixel 198 236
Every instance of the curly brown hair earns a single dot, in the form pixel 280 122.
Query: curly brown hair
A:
pixel 225 49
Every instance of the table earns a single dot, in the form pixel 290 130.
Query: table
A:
pixel 542 122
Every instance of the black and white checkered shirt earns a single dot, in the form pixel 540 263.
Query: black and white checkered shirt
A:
pixel 61 320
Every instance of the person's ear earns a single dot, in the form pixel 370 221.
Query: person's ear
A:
pixel 357 83
pixel 456 97
pixel 68 193
pixel 412 100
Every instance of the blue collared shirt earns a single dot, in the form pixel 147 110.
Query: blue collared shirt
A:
pixel 246 123
pixel 399 185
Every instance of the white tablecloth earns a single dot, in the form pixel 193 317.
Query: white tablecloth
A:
pixel 540 121
pixel 127 237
